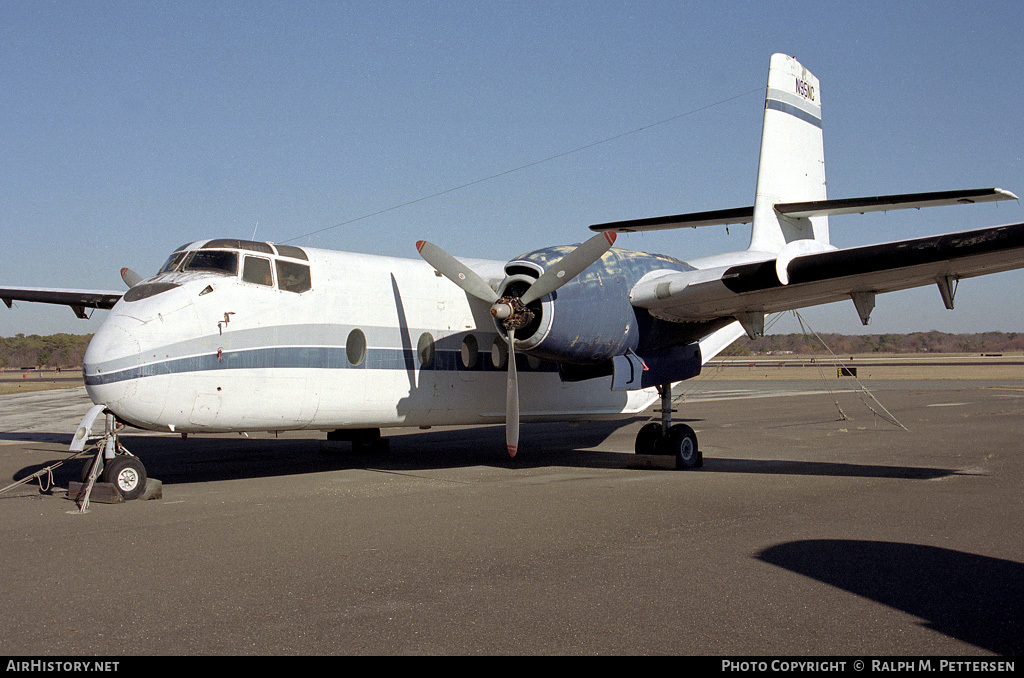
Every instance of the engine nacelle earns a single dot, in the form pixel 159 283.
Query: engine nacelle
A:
pixel 589 319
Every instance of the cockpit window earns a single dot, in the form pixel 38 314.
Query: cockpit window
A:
pixel 213 261
pixel 173 262
pixel 239 245
pixel 291 251
pixel 257 270
pixel 292 277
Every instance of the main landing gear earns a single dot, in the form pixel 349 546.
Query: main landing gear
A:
pixel 666 438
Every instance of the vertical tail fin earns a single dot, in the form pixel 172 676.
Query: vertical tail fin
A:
pixel 792 164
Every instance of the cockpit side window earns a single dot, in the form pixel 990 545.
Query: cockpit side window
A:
pixel 173 262
pixel 212 261
pixel 293 277
pixel 257 270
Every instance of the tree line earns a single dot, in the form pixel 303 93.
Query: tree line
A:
pixel 55 350
pixel 860 344
pixel 67 350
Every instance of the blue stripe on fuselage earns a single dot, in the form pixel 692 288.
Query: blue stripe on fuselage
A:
pixel 311 357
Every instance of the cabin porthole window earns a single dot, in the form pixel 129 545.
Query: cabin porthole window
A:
pixel 425 350
pixel 355 347
pixel 499 353
pixel 470 352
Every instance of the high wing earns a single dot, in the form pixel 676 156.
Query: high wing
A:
pixel 748 290
pixel 78 300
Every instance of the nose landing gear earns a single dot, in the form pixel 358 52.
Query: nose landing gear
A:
pixel 113 463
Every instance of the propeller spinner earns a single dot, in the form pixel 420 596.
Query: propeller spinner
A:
pixel 511 310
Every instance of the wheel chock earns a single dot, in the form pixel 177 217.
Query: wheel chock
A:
pixel 102 493
pixel 107 493
pixel 154 490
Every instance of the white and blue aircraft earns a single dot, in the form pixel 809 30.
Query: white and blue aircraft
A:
pixel 236 335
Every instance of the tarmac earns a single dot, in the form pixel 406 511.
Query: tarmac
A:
pixel 822 523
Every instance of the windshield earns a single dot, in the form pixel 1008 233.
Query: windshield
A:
pixel 173 262
pixel 213 261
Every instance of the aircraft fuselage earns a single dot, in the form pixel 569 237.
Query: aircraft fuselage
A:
pixel 373 342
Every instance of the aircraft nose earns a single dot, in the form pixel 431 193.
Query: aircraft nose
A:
pixel 109 360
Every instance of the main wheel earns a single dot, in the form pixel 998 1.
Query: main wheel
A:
pixel 648 438
pixel 127 474
pixel 683 442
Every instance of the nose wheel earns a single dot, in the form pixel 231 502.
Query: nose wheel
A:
pixel 666 438
pixel 113 464
pixel 127 474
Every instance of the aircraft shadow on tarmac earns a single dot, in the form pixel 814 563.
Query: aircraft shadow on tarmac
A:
pixel 203 459
pixel 225 457
pixel 826 468
pixel 976 599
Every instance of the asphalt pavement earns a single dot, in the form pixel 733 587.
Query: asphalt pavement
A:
pixel 818 525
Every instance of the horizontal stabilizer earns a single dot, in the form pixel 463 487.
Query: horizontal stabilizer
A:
pixel 736 215
pixel 878 203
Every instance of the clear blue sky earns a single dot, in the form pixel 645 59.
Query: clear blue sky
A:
pixel 129 128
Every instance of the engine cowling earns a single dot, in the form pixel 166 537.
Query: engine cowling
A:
pixel 589 319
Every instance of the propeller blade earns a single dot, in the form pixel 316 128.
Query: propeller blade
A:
pixel 130 277
pixel 569 266
pixel 558 274
pixel 456 271
pixel 512 399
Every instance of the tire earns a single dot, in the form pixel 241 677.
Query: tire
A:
pixel 683 443
pixel 87 466
pixel 127 474
pixel 647 439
